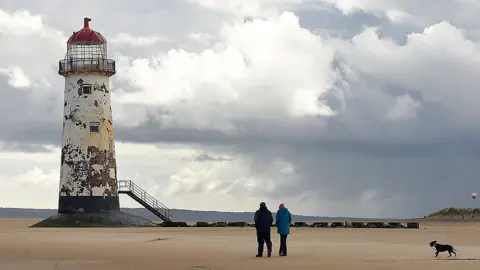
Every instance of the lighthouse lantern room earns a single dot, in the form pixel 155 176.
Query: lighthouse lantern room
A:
pixel 86 52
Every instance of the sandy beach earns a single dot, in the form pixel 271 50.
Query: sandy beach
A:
pixel 234 248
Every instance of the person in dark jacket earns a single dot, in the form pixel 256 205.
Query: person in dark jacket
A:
pixel 282 221
pixel 263 222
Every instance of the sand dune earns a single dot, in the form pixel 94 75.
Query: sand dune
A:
pixel 234 248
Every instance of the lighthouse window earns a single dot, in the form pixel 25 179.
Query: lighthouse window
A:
pixel 94 127
pixel 86 89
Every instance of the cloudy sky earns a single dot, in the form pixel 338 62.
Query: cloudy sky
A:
pixel 334 107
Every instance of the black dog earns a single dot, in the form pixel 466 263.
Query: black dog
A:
pixel 442 248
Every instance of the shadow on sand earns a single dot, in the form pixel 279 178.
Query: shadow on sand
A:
pixel 454 259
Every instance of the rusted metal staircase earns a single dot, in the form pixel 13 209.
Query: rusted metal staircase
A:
pixel 145 199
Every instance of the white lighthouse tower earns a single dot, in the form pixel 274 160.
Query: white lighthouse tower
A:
pixel 88 192
pixel 88 176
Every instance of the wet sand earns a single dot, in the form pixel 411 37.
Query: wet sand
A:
pixel 23 248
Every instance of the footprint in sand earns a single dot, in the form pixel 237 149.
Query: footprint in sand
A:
pixel 159 239
pixel 202 267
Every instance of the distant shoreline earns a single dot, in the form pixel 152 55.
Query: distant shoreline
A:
pixel 186 215
pixel 444 215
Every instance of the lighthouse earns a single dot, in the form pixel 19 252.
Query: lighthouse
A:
pixel 88 173
pixel 88 191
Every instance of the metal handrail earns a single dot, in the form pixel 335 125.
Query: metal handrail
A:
pixel 147 198
pixel 129 186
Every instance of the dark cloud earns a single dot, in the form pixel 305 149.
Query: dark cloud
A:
pixel 206 157
pixel 26 148
pixel 332 22
pixel 415 183
pixel 151 17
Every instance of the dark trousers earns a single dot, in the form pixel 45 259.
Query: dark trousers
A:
pixel 283 244
pixel 263 237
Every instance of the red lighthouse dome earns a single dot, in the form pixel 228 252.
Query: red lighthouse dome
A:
pixel 86 35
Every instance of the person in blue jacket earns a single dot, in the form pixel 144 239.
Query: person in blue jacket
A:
pixel 283 220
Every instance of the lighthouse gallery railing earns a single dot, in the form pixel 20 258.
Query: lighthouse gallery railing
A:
pixel 86 65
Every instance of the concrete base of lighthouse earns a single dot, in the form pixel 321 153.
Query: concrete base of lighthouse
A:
pixel 92 211
pixel 103 219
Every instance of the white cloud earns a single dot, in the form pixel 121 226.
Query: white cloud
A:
pixel 241 7
pixel 34 177
pixel 350 6
pixel 17 78
pixel 30 188
pixel 30 49
pixel 37 177
pixel 229 182
pixel 202 38
pixel 263 69
pixel 439 63
pixel 413 12
pixel 397 15
pixel 404 108
pixel 127 39
pixel 168 173
pixel 211 178
pixel 20 23
pixel 233 177
pixel 165 171
pixel 273 70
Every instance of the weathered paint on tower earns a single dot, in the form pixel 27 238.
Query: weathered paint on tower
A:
pixel 88 152
pixel 88 176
